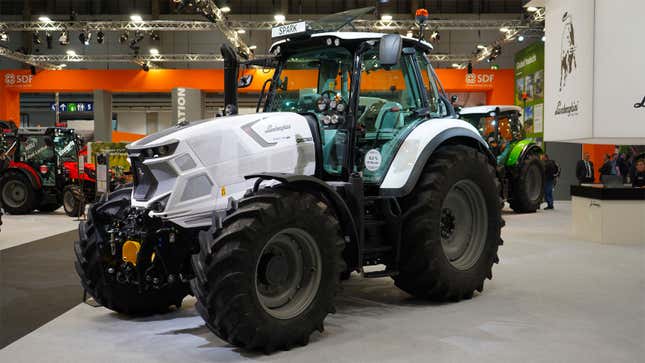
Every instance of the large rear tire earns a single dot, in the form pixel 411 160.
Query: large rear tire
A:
pixel 266 280
pixel 528 187
pixel 93 260
pixel 18 196
pixel 451 228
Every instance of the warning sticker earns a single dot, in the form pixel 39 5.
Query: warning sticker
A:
pixel 373 160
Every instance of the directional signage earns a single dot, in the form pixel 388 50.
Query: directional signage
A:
pixel 73 106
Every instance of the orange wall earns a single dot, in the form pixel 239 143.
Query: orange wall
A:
pixel 120 136
pixel 499 84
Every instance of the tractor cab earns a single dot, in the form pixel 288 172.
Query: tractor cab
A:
pixel 500 126
pixel 363 92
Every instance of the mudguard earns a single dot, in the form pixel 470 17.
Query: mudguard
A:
pixel 417 148
pixel 27 171
pixel 520 149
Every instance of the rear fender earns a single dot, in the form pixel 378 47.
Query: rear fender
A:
pixel 28 172
pixel 519 151
pixel 418 147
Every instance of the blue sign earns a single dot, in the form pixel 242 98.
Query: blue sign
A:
pixel 73 106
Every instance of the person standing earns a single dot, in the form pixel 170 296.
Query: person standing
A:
pixel 639 175
pixel 622 166
pixel 606 168
pixel 551 172
pixel 585 172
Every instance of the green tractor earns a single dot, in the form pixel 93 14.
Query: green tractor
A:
pixel 518 158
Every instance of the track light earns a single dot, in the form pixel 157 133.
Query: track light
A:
pixel 44 19
pixel 435 37
pixel 35 38
pixel 4 37
pixel 154 36
pixel 470 67
pixel 87 38
pixel 70 52
pixel 63 39
pixel 123 38
pixel 279 18
pixel 520 38
pixel 99 37
pixel 136 18
pixel 225 9
pixel 154 51
pixel 81 37
pixel 49 39
pixel 33 70
pixel 543 38
pixel 145 67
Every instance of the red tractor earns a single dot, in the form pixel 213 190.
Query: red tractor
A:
pixel 43 172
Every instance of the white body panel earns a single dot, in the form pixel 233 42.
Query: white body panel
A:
pixel 213 157
pixel 412 147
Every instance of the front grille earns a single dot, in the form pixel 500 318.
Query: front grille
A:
pixel 145 183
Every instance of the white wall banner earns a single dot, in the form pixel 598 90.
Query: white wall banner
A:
pixel 594 77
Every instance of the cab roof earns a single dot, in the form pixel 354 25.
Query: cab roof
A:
pixel 488 109
pixel 408 41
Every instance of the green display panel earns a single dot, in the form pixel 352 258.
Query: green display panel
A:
pixel 529 88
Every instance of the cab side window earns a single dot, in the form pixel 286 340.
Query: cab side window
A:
pixel 436 106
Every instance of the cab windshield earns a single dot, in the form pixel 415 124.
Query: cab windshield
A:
pixel 66 147
pixel 308 76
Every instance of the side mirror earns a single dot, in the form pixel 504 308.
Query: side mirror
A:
pixel 245 81
pixel 389 50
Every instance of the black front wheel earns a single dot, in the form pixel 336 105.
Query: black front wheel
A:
pixel 73 200
pixel 266 279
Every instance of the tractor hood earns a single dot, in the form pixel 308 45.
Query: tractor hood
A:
pixel 185 172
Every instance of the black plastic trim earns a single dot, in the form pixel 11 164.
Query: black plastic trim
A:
pixel 425 156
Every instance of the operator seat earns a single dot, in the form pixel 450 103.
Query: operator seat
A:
pixel 390 118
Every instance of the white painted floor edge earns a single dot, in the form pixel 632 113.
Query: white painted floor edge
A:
pixel 21 229
pixel 553 299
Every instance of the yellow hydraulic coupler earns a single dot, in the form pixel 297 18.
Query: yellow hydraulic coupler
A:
pixel 129 251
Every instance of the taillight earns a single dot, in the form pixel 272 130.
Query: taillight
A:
pixel 44 169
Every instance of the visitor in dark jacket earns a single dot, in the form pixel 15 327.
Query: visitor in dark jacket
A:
pixel 639 176
pixel 607 167
pixel 585 172
pixel 551 172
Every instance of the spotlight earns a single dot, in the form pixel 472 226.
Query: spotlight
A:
pixel 279 18
pixel 455 65
pixel 154 51
pixel 520 38
pixel 435 37
pixel 63 39
pixel 4 37
pixel 154 36
pixel 123 38
pixel 87 38
pixel 99 37
pixel 145 67
pixel 504 29
pixel 481 46
pixel 81 37
pixel 470 67
pixel 33 70
pixel 225 9
pixel 531 9
pixel 253 47
pixel 49 39
pixel 241 31
pixel 35 38
pixel 136 18
pixel 70 53
pixel 543 38
pixel 409 34
pixel 386 17
pixel 45 19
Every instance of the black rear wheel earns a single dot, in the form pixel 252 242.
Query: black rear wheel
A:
pixel 267 278
pixel 451 228
pixel 18 196
pixel 528 187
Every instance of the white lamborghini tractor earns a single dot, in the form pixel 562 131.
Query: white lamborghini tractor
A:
pixel 357 159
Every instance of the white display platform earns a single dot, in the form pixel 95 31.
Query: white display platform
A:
pixel 613 216
pixel 553 299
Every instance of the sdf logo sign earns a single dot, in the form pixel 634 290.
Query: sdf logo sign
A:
pixel 18 80
pixel 473 79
